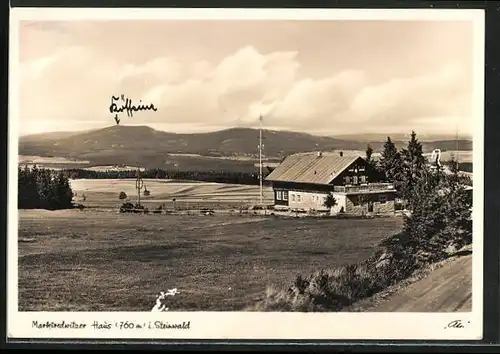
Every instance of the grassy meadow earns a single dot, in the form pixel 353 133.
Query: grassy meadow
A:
pixel 103 193
pixel 99 261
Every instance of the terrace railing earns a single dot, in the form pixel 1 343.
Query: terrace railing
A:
pixel 370 187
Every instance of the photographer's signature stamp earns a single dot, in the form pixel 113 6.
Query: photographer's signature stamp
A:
pixel 457 324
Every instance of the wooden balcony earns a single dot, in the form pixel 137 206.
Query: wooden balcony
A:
pixel 364 188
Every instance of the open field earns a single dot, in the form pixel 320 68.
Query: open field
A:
pixel 188 161
pixel 103 193
pixel 101 261
pixel 40 160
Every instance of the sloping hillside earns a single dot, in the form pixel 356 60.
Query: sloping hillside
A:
pixel 226 142
pixel 130 144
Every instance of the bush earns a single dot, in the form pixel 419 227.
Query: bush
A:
pixel 122 196
pixel 330 201
pixel 129 207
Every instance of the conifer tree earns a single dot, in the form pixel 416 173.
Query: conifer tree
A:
pixel 390 160
pixel 411 168
pixel 369 153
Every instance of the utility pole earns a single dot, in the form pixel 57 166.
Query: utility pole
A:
pixel 139 184
pixel 260 159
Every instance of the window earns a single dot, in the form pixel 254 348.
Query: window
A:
pixel 355 180
pixel 285 196
pixel 279 195
pixel 361 168
pixel 363 179
pixel 293 197
pixel 382 199
pixel 347 180
pixel 298 197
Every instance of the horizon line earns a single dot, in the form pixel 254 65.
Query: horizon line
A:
pixel 208 131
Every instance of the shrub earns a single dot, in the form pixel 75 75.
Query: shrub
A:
pixel 122 196
pixel 127 207
pixel 330 201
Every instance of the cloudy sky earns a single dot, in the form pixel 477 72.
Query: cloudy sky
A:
pixel 322 77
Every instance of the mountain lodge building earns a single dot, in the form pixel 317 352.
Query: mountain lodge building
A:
pixel 302 182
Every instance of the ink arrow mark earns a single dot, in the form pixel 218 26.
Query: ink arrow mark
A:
pixel 117 120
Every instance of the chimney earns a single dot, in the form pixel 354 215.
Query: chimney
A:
pixel 341 153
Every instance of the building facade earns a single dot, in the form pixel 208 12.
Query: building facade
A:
pixel 302 182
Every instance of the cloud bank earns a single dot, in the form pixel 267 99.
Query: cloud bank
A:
pixel 71 86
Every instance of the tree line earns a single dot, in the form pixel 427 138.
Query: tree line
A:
pixel 43 189
pixel 407 167
pixel 208 176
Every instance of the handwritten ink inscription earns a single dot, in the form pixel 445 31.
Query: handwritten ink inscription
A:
pixel 456 324
pixel 120 104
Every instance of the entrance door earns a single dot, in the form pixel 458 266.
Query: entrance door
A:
pixel 370 207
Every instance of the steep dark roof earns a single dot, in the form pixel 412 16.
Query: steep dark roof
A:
pixel 311 168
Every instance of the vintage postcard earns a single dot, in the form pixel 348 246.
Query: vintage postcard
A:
pixel 246 174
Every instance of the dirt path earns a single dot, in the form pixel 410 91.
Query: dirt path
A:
pixel 446 289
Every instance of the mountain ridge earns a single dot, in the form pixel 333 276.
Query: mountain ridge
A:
pixel 361 137
pixel 120 144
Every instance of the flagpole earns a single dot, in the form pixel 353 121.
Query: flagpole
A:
pixel 260 158
pixel 138 186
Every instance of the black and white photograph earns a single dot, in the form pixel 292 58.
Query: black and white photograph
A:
pixel 280 173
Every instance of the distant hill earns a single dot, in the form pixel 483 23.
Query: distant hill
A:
pixel 141 144
pixel 48 136
pixel 401 137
